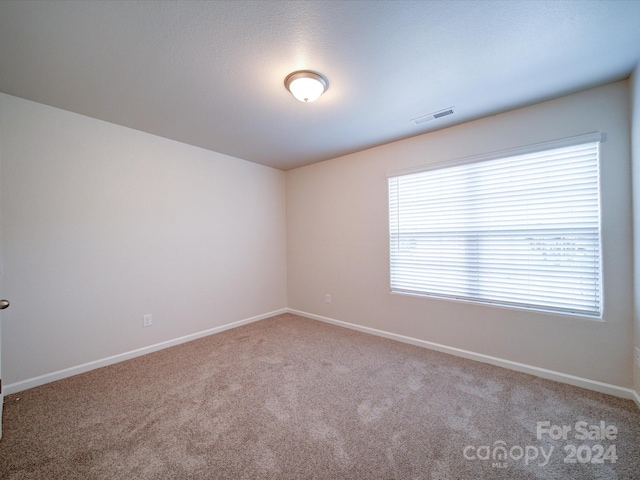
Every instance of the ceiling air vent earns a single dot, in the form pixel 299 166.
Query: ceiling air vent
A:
pixel 434 116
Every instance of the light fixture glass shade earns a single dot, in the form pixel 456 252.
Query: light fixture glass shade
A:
pixel 305 85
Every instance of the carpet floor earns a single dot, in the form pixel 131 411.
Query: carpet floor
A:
pixel 293 398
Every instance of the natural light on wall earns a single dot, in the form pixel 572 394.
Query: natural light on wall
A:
pixel 521 230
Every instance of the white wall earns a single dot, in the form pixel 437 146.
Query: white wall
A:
pixel 634 83
pixel 102 224
pixel 337 237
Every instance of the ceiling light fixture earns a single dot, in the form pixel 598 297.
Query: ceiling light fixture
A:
pixel 306 85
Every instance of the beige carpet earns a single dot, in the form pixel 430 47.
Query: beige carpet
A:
pixel 292 398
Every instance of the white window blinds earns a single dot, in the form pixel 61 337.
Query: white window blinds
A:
pixel 522 230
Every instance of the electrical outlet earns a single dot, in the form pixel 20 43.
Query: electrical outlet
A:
pixel 638 357
pixel 327 298
pixel 147 321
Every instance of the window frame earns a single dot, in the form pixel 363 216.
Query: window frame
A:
pixel 590 138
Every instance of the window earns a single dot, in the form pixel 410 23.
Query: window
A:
pixel 518 229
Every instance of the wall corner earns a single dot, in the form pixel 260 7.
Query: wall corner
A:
pixel 634 90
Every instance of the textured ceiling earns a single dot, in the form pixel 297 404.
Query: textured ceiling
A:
pixel 211 73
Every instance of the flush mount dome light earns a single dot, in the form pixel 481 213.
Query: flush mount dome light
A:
pixel 306 85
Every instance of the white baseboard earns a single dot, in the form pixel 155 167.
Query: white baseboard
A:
pixel 500 362
pixel 85 367
pixel 520 367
